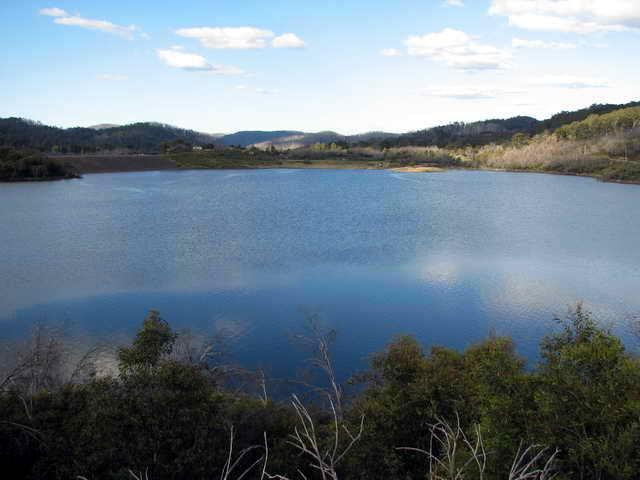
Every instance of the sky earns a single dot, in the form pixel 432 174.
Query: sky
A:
pixel 351 66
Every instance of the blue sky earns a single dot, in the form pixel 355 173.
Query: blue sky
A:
pixel 350 66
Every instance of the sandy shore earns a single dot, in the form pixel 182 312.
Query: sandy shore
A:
pixel 417 169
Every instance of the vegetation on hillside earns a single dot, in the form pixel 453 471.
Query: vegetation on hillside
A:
pixel 135 138
pixel 27 165
pixel 563 118
pixel 166 407
pixel 601 141
pixel 487 132
pixel 606 146
pixel 461 134
pixel 614 123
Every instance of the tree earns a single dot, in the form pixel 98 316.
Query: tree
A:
pixel 154 340
pixel 588 399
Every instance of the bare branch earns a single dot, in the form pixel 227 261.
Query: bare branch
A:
pixel 451 453
pixel 306 441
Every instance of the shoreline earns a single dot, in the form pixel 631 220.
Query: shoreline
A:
pixel 154 162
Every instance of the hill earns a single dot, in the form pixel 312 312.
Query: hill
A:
pixel 150 137
pixel 134 138
pixel 283 140
pixel 248 138
pixel 476 133
pixel 606 146
pixel 485 132
pixel 102 126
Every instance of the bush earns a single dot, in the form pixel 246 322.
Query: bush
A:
pixel 172 418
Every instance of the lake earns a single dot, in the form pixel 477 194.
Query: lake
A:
pixel 448 257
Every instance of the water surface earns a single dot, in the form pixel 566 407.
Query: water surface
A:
pixel 447 257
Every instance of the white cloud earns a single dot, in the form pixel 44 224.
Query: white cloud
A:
pixel 259 90
pixel 263 91
pixel 465 92
pixel 176 57
pixel 227 70
pixel 460 93
pixel 102 25
pixel 288 40
pixel 390 52
pixel 454 3
pixel 242 38
pixel 523 43
pixel 61 17
pixel 571 81
pixel 112 77
pixel 576 16
pixel 458 50
pixel 53 12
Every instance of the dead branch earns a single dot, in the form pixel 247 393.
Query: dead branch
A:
pixel 451 453
pixel 305 440
pixel 455 451
pixel 529 464
pixel 320 343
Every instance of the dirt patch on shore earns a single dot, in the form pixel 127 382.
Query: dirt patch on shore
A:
pixel 417 169
pixel 116 163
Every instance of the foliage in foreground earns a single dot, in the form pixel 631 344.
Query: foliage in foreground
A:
pixel 440 414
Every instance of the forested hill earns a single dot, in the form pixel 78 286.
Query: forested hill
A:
pixel 137 137
pixel 156 137
pixel 460 134
pixel 247 138
pixel 498 130
pixel 564 118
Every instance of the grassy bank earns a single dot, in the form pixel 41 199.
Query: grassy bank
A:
pixel 605 146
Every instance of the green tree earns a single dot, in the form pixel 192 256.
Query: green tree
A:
pixel 589 400
pixel 154 340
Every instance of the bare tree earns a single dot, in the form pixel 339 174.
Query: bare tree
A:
pixel 198 349
pixel 305 439
pixel 36 363
pixel 232 464
pixel 49 358
pixel 264 397
pixel 530 464
pixel 452 454
pixel 634 323
pixel 138 475
pixel 319 340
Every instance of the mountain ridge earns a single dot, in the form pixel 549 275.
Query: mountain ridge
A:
pixel 151 137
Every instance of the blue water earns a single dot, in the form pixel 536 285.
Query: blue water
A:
pixel 447 257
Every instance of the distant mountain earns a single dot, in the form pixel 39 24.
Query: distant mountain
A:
pixel 150 137
pixel 248 138
pixel 103 126
pixel 283 139
pixel 137 137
